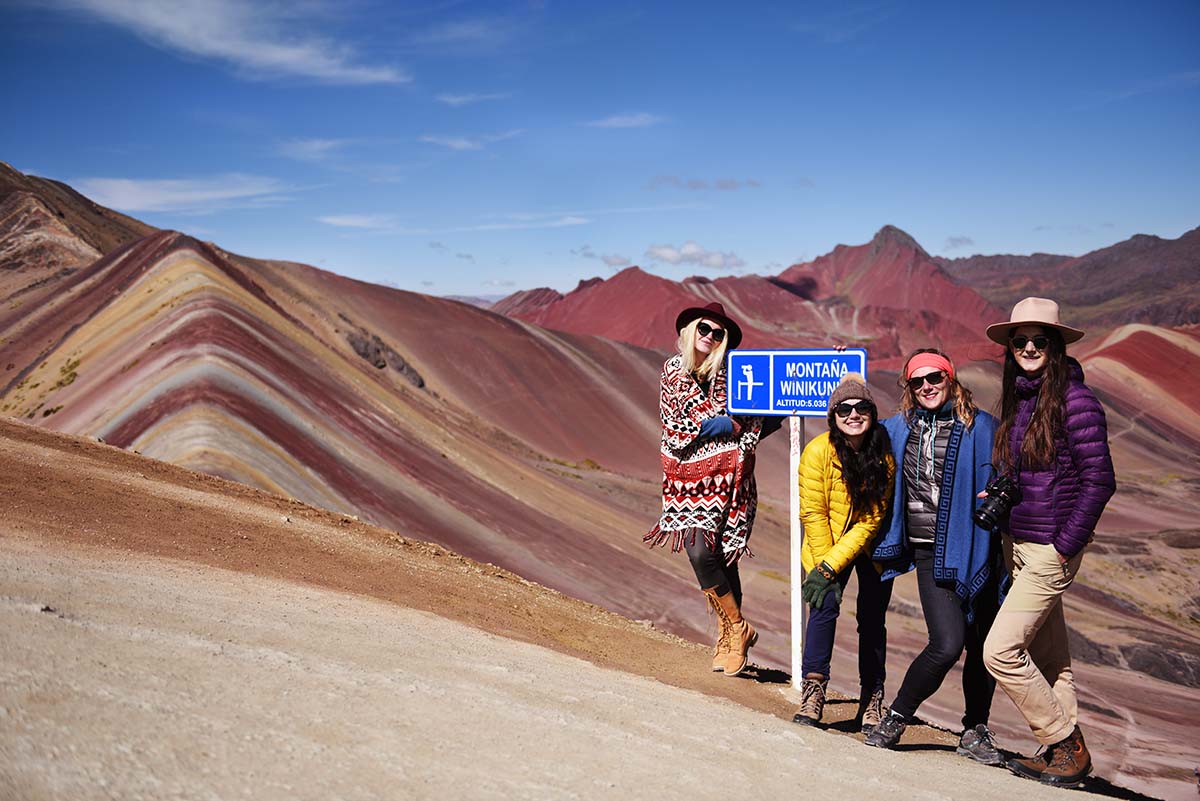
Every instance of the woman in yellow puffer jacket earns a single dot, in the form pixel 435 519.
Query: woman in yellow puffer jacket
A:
pixel 846 478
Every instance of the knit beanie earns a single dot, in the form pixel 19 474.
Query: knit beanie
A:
pixel 852 385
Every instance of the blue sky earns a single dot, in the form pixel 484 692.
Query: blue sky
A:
pixel 480 148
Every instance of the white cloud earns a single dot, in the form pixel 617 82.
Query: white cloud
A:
pixel 733 184
pixel 957 242
pixel 366 222
pixel 561 222
pixel 469 99
pixel 692 253
pixel 538 215
pixel 611 259
pixel 475 32
pixel 386 222
pixel 191 196
pixel 454 142
pixel 846 22
pixel 638 119
pixel 700 184
pixel 311 149
pixel 1164 83
pixel 261 40
pixel 468 143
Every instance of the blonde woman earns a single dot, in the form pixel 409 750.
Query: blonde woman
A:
pixel 709 496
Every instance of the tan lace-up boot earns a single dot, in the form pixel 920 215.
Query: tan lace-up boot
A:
pixel 870 709
pixel 742 635
pixel 812 699
pixel 721 649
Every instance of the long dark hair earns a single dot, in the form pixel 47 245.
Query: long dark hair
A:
pixel 1037 448
pixel 964 404
pixel 865 469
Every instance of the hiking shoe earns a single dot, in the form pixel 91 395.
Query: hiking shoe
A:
pixel 979 744
pixel 870 710
pixel 812 700
pixel 887 733
pixel 1070 762
pixel 1031 767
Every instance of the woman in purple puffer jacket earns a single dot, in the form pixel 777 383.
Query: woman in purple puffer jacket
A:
pixel 1052 438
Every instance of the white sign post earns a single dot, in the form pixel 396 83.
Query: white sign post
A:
pixel 796 431
pixel 796 383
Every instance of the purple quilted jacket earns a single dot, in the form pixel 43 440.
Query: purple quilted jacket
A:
pixel 1062 502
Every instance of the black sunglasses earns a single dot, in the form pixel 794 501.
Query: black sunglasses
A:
pixel 935 378
pixel 704 329
pixel 863 407
pixel 1020 341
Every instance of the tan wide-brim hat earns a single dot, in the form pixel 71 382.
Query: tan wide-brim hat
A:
pixel 1033 311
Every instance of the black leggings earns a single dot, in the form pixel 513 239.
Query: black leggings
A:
pixel 949 634
pixel 711 570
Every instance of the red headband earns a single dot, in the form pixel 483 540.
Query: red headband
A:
pixel 928 360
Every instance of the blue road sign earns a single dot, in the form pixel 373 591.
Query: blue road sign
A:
pixel 787 382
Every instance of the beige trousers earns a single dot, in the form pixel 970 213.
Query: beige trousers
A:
pixel 1026 649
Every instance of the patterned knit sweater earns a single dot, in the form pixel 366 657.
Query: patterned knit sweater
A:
pixel 708 485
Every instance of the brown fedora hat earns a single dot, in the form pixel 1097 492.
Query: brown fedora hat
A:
pixel 713 311
pixel 1033 311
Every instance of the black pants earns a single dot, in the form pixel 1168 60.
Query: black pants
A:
pixel 873 598
pixel 711 570
pixel 949 635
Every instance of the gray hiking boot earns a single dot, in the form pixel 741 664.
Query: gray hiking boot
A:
pixel 979 744
pixel 887 733
pixel 871 710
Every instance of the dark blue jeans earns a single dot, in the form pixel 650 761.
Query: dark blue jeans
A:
pixel 873 599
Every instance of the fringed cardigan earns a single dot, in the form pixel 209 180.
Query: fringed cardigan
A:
pixel 962 552
pixel 708 485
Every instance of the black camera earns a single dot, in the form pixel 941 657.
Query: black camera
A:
pixel 1002 495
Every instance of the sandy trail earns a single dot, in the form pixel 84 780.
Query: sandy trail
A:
pixel 130 677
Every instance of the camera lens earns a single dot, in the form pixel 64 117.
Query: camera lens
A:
pixel 1002 495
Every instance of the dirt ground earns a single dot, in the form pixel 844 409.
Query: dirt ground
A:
pixel 166 634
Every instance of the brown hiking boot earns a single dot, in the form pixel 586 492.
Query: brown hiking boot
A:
pixel 721 649
pixel 870 709
pixel 1069 763
pixel 1031 767
pixel 812 699
pixel 742 635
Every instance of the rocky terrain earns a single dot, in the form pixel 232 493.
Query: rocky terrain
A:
pixel 522 443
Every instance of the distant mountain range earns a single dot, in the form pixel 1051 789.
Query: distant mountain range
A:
pixel 526 435
pixel 889 295
pixel 886 295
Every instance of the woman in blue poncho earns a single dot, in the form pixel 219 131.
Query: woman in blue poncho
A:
pixel 943 447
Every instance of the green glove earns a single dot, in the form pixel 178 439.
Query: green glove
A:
pixel 819 581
